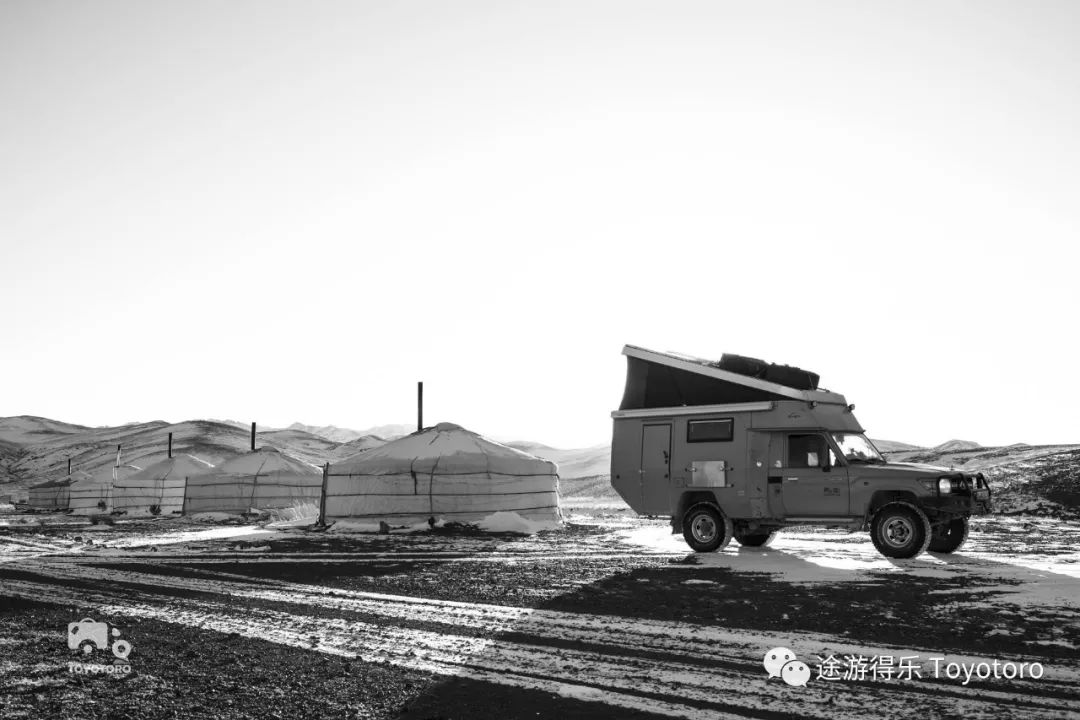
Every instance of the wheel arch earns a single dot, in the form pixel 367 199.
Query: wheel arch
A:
pixel 688 500
pixel 881 498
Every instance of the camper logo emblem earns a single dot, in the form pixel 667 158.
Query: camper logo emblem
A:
pixel 86 636
pixel 782 663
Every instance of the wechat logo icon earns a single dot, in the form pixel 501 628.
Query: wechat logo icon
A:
pixel 781 662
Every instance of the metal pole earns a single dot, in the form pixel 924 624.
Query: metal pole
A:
pixel 170 446
pixel 252 437
pixel 322 499
pixel 69 466
pixel 419 406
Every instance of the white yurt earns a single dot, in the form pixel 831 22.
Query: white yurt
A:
pixel 445 472
pixel 54 494
pixel 161 484
pixel 88 495
pixel 263 479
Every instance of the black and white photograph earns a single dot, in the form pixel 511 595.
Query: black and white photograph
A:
pixel 524 359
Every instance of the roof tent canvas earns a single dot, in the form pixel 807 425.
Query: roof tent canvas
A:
pixel 54 495
pixel 663 380
pixel 444 472
pixel 260 480
pixel 161 484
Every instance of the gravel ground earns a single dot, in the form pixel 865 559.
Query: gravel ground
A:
pixel 610 617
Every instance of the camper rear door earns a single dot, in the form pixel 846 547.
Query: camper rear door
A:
pixel 656 467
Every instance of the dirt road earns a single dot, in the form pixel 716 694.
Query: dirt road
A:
pixel 611 617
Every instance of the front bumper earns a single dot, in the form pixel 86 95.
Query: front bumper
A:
pixel 973 498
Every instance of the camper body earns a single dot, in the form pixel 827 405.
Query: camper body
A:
pixel 775 456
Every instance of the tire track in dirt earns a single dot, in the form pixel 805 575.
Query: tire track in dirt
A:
pixel 677 680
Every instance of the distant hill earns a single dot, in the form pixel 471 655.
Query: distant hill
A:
pixel 581 462
pixel 887 446
pixel 24 429
pixel 329 432
pixel 956 445
pixel 356 446
pixel 389 432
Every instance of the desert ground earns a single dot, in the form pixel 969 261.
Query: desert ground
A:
pixel 609 617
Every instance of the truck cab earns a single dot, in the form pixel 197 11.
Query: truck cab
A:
pixel 740 449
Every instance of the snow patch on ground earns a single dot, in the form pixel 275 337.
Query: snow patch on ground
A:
pixel 508 521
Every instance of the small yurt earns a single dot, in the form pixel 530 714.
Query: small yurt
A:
pixel 445 472
pixel 161 484
pixel 93 494
pixel 259 480
pixel 54 495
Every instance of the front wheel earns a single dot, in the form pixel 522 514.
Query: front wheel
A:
pixel 900 530
pixel 706 528
pixel 949 536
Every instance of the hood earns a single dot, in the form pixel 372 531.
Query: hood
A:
pixel 908 469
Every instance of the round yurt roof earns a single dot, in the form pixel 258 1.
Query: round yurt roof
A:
pixel 444 448
pixel 104 475
pixel 177 466
pixel 264 461
pixel 75 476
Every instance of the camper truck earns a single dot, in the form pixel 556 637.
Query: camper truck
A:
pixel 741 448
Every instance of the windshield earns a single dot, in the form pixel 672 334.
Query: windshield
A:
pixel 856 448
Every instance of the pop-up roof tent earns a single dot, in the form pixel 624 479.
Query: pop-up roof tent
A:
pixel 663 380
pixel 259 480
pixel 54 495
pixel 161 484
pixel 444 472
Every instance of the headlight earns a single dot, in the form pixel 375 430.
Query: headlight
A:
pixel 944 486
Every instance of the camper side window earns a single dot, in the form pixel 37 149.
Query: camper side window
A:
pixel 807 451
pixel 709 430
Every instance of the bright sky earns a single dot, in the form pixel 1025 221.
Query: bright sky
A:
pixel 283 211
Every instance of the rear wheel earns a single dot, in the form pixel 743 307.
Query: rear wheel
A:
pixel 949 536
pixel 706 528
pixel 757 539
pixel 900 530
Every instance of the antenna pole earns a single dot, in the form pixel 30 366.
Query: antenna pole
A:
pixel 252 437
pixel 170 445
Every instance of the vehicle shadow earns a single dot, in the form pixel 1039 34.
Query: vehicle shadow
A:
pixel 777 593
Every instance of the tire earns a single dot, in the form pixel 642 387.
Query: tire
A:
pixel 121 649
pixel 949 536
pixel 900 530
pixel 706 528
pixel 755 539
